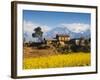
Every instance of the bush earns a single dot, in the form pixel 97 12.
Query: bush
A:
pixel 43 47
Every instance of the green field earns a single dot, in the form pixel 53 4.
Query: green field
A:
pixel 59 60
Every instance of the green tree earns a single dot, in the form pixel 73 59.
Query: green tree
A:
pixel 38 33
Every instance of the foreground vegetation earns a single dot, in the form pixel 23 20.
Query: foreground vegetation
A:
pixel 59 60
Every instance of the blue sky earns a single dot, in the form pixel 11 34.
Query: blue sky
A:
pixel 48 20
pixel 55 18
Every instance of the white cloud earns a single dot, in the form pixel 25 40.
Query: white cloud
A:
pixel 77 27
pixel 45 28
pixel 30 26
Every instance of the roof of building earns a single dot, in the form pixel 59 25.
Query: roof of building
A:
pixel 62 35
pixel 51 39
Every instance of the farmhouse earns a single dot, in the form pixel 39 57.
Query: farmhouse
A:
pixel 61 38
pixel 58 39
pixel 80 41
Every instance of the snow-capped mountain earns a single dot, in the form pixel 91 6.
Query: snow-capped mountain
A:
pixel 59 30
pixel 64 30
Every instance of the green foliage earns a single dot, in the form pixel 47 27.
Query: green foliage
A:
pixel 38 32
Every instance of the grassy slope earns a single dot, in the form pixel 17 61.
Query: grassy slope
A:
pixel 54 61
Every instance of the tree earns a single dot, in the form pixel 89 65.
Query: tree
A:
pixel 38 34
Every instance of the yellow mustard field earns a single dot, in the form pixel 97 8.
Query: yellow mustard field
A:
pixel 55 61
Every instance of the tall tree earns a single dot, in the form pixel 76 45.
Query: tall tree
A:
pixel 38 33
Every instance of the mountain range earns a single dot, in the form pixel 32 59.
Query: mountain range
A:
pixel 64 30
pixel 60 30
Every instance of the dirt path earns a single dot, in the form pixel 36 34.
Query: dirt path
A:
pixel 32 52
